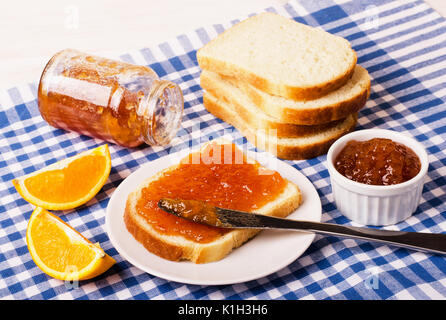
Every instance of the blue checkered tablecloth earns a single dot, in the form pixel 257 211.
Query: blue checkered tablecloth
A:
pixel 403 46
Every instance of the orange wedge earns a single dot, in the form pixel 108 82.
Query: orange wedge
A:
pixel 68 183
pixel 62 252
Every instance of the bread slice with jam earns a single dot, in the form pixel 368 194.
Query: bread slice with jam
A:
pixel 218 173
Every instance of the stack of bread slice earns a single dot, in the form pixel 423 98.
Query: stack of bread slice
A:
pixel 290 89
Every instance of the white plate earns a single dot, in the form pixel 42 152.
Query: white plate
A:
pixel 268 252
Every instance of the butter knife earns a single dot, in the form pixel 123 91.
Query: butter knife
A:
pixel 205 213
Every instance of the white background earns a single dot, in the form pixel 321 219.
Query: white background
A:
pixel 32 31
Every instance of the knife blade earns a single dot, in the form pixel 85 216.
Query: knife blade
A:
pixel 205 213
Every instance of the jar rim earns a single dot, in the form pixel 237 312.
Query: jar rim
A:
pixel 163 110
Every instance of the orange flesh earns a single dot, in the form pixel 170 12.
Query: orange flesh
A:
pixel 70 183
pixel 222 178
pixel 55 248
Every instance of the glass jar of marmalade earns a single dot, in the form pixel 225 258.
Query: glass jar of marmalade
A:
pixel 116 101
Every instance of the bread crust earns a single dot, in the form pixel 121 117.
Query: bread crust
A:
pixel 289 121
pixel 309 152
pixel 177 248
pixel 283 129
pixel 150 242
pixel 312 116
pixel 288 152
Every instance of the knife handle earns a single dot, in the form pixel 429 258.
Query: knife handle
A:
pixel 427 242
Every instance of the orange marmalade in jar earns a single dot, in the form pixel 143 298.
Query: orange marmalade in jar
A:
pixel 115 101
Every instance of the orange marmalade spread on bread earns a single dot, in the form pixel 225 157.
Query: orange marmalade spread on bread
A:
pixel 221 175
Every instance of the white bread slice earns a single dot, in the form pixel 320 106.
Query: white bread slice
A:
pixel 250 113
pixel 306 147
pixel 280 56
pixel 335 105
pixel 177 248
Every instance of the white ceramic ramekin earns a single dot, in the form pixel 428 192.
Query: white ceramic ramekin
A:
pixel 372 204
